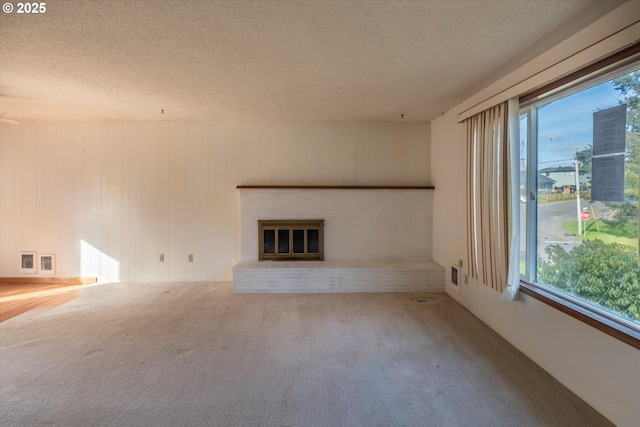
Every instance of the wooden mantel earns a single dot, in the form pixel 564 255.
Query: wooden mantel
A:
pixel 334 187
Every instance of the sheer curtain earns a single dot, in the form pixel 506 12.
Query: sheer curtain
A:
pixel 492 198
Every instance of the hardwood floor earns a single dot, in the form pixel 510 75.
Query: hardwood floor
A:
pixel 19 295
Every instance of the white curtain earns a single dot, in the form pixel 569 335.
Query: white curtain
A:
pixel 510 293
pixel 492 197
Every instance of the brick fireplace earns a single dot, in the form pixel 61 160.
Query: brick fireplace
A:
pixel 375 239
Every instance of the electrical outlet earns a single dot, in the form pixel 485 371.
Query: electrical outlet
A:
pixel 190 257
pixel 161 257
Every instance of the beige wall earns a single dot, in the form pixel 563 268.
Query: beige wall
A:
pixel 108 197
pixel 602 370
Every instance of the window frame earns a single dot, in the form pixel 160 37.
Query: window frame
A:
pixel 604 70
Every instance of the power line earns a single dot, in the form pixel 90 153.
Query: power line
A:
pixel 558 160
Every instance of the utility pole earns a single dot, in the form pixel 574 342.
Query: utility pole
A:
pixel 578 194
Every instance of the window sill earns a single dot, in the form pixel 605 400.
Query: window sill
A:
pixel 617 330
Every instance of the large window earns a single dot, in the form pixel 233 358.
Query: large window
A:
pixel 579 195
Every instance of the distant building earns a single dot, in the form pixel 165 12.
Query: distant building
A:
pixel 545 184
pixel 564 176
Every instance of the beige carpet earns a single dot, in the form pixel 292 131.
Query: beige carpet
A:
pixel 176 354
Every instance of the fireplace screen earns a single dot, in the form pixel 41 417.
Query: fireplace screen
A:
pixel 291 240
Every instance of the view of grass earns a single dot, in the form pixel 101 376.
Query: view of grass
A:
pixel 605 234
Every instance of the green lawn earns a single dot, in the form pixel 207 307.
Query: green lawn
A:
pixel 604 234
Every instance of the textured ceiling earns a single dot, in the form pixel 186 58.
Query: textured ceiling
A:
pixel 270 60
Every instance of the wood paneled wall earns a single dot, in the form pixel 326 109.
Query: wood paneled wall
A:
pixel 133 190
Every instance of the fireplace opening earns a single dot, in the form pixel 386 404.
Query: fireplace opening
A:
pixel 291 240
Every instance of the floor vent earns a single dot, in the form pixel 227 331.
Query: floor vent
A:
pixel 426 300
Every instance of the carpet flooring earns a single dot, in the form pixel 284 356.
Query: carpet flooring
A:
pixel 192 354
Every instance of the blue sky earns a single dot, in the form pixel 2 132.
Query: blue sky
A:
pixel 567 124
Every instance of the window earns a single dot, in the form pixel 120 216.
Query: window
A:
pixel 292 240
pixel 580 167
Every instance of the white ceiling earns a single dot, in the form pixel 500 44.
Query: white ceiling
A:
pixel 270 60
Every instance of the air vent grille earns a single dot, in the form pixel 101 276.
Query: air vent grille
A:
pixel 426 300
